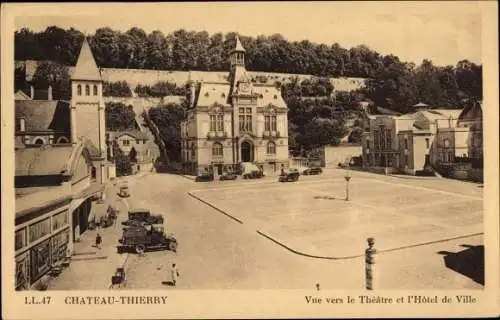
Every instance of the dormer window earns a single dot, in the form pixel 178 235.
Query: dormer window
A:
pixel 275 97
pixel 95 90
pixel 223 95
pixel 206 94
pixel 87 90
pixel 79 90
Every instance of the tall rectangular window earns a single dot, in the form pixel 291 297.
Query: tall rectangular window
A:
pixel 242 122
pixel 220 122
pixel 245 118
pixel 406 160
pixel 406 143
pixel 267 123
pixel 273 123
pixel 388 139
pixel 213 121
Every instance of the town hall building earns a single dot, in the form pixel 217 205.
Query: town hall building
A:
pixel 234 122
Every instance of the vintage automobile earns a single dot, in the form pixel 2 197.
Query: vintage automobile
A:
pixel 256 174
pixel 312 171
pixel 290 176
pixel 140 215
pixel 204 178
pixel 146 236
pixel 124 191
pixel 228 176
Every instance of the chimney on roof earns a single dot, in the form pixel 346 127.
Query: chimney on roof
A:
pixel 32 92
pixel 49 93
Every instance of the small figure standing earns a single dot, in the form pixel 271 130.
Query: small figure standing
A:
pixel 175 274
pixel 98 241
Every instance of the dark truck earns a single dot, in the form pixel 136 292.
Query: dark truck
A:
pixel 145 232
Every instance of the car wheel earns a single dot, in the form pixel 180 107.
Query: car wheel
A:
pixel 172 246
pixel 140 248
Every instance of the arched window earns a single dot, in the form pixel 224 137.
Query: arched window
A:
pixel 271 148
pixel 79 90
pixel 95 90
pixel 93 173
pixel 62 140
pixel 217 149
pixel 87 90
pixel 39 141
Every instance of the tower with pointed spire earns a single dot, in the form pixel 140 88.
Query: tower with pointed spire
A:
pixel 237 62
pixel 235 124
pixel 87 103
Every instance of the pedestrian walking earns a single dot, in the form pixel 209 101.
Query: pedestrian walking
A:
pixel 175 274
pixel 98 241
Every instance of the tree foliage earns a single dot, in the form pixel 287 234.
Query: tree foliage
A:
pixel 119 117
pixel 53 74
pixel 168 120
pixel 160 89
pixel 122 161
pixel 116 89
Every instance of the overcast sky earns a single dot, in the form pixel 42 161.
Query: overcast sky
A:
pixel 443 32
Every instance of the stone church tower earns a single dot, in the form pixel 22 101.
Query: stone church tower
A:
pixel 87 109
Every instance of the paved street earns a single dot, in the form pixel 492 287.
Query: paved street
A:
pixel 216 252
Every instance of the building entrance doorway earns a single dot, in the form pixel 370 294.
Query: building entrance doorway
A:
pixel 246 152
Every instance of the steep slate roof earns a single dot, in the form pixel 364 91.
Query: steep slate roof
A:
pixel 211 93
pixel 86 68
pixel 269 95
pixel 134 134
pixel 20 95
pixel 49 159
pixel 45 160
pixel 472 112
pixel 239 47
pixel 44 115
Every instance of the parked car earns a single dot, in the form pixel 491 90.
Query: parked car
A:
pixel 290 176
pixel 144 237
pixel 140 216
pixel 312 171
pixel 204 178
pixel 253 175
pixel 228 176
pixel 124 191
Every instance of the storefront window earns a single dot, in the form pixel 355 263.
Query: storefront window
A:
pixel 22 275
pixel 40 260
pixel 39 229
pixel 59 220
pixel 59 245
pixel 20 239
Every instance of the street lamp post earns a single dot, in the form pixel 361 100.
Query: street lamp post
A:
pixel 347 179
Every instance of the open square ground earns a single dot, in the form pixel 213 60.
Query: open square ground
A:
pixel 313 218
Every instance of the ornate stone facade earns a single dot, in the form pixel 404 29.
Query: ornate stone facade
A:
pixel 234 122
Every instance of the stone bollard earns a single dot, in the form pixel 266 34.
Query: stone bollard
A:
pixel 347 179
pixel 369 263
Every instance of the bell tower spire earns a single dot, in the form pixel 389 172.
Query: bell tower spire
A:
pixel 238 54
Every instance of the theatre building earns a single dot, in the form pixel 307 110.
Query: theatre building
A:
pixel 55 186
pixel 234 122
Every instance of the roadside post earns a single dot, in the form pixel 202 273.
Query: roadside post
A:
pixel 369 263
pixel 347 179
